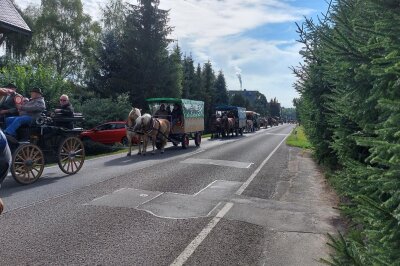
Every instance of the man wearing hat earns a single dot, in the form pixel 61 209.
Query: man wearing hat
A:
pixel 7 103
pixel 28 112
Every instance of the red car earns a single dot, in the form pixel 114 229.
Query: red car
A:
pixel 107 133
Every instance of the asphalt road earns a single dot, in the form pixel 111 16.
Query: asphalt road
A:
pixel 247 200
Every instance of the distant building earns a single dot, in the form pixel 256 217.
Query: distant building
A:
pixel 250 96
pixel 11 20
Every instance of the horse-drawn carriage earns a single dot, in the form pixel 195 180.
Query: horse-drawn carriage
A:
pixel 228 120
pixel 252 121
pixel 186 119
pixel 46 141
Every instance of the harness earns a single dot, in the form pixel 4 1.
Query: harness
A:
pixel 151 128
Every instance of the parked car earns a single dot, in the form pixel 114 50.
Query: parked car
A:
pixel 107 133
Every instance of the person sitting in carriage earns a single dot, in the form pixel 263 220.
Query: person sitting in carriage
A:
pixel 64 109
pixel 7 103
pixel 177 115
pixel 28 111
pixel 162 112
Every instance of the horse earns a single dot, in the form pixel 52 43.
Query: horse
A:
pixel 227 125
pixel 130 124
pixel 215 126
pixel 154 128
pixel 249 125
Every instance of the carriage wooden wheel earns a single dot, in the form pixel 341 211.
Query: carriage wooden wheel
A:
pixel 27 164
pixel 71 155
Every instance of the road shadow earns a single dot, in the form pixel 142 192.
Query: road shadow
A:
pixel 10 186
pixel 135 158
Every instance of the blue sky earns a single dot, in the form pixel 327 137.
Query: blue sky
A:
pixel 253 38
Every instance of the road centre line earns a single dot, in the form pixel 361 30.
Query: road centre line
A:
pixel 183 257
pixel 254 174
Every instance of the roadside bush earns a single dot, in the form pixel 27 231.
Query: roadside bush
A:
pixel 26 77
pixel 350 108
pixel 97 111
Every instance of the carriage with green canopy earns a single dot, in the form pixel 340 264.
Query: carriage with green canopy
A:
pixel 190 123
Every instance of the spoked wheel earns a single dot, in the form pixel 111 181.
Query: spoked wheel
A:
pixel 185 141
pixel 71 155
pixel 27 164
pixel 197 139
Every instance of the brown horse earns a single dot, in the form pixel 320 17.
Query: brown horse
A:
pixel 215 126
pixel 130 124
pixel 153 128
pixel 227 125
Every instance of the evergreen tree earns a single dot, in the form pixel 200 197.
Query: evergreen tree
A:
pixel 145 60
pixel 221 93
pixel 188 81
pixel 349 105
pixel 174 76
pixel 275 108
pixel 208 82
pixel 198 92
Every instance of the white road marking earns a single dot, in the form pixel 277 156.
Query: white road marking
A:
pixel 182 258
pixel 218 162
pixel 247 183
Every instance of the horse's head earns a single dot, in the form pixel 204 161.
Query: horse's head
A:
pixel 133 115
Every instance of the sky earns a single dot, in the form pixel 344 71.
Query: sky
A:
pixel 253 39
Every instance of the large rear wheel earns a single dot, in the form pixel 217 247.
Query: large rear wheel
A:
pixel 27 164
pixel 71 155
pixel 185 141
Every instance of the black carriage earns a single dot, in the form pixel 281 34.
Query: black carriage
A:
pixel 47 140
pixel 191 124
pixel 238 113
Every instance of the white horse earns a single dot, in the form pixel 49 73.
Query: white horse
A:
pixel 130 124
pixel 154 128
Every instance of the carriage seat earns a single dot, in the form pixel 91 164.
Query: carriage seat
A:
pixel 68 121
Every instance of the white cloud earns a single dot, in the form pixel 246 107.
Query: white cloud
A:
pixel 214 29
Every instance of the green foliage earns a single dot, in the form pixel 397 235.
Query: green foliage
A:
pixel 97 111
pixel 63 38
pixel 349 106
pixel 298 139
pixel 26 77
pixel 221 93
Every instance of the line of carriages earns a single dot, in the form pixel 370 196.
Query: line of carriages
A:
pixel 233 120
pixel 45 140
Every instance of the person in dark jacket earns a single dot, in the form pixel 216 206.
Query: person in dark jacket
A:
pixel 7 103
pixel 64 109
pixel 28 112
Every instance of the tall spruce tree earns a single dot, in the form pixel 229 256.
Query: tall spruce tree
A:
pixel 188 81
pixel 221 93
pixel 208 82
pixel 144 51
pixel 174 76
pixel 198 92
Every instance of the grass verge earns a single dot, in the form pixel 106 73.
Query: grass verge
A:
pixel 298 139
